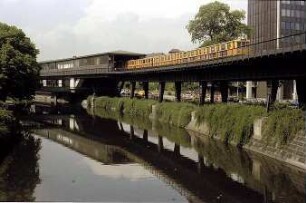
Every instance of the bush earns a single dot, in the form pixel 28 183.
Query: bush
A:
pixel 6 122
pixel 282 125
pixel 177 114
pixel 231 123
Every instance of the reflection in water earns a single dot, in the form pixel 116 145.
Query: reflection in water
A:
pixel 201 170
pixel 19 171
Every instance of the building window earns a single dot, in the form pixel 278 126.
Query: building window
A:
pixel 283 25
pixel 285 2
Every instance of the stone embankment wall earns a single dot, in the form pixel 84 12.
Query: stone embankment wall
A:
pixel 293 153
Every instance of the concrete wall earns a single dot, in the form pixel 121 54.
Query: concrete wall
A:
pixel 294 153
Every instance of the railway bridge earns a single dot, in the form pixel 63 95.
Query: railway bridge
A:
pixel 105 73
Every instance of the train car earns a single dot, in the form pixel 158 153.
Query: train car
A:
pixel 212 52
pixel 131 64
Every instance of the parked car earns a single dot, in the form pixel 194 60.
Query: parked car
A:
pixel 125 92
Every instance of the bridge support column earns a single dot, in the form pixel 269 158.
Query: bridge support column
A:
pixel 133 87
pixel 249 90
pixel 301 91
pixel 121 127
pixel 176 149
pixel 121 86
pixel 212 93
pixel 224 91
pixel 161 91
pixel 145 135
pixel 200 163
pixel 272 90
pixel 132 133
pixel 160 144
pixel 178 91
pixel 203 87
pixel 272 87
pixel 146 89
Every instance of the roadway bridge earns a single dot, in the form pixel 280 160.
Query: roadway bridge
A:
pixel 102 73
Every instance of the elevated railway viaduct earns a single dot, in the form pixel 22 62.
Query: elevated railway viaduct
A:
pixel 101 74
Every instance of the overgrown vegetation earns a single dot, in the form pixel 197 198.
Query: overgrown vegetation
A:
pixel 231 123
pixel 282 125
pixel 6 121
pixel 132 107
pixel 177 114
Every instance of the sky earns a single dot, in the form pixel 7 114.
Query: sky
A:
pixel 66 28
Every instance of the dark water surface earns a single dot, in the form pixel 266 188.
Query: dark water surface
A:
pixel 75 156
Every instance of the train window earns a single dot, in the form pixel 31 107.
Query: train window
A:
pixel 223 47
pixel 229 45
pixel 238 44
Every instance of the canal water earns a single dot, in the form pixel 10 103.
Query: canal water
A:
pixel 78 156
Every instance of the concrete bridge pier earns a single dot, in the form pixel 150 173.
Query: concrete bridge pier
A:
pixel 224 91
pixel 301 91
pixel 272 87
pixel 161 91
pixel 132 133
pixel 200 163
pixel 121 126
pixel 133 87
pixel 212 93
pixel 203 87
pixel 178 91
pixel 177 149
pixel 121 85
pixel 160 144
pixel 145 135
pixel 146 89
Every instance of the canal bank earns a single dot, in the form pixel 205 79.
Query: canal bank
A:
pixel 279 134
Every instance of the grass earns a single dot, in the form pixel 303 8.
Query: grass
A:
pixel 283 125
pixel 231 123
pixel 176 114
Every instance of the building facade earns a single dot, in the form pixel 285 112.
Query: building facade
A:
pixel 271 23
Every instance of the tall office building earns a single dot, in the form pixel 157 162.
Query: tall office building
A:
pixel 273 19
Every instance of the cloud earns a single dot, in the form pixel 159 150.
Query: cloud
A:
pixel 76 27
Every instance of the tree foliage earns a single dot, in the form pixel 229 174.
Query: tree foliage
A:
pixel 215 23
pixel 19 70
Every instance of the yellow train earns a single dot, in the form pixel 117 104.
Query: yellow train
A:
pixel 216 51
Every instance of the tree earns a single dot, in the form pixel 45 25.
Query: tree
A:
pixel 19 70
pixel 215 23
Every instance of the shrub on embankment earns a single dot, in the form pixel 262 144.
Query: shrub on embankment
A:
pixel 177 114
pixel 232 123
pixel 132 107
pixel 283 125
pixel 6 122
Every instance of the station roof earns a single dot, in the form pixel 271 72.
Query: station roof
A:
pixel 113 53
